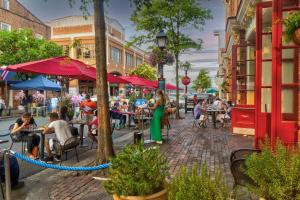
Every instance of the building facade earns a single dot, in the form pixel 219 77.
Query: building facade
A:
pixel 13 15
pixel 262 70
pixel 77 36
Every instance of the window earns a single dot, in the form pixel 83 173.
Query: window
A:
pixel 5 4
pixel 85 51
pixel 5 26
pixel 39 36
pixel 138 61
pixel 66 50
pixel 129 59
pixel 116 54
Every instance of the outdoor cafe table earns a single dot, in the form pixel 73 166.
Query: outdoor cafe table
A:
pixel 81 124
pixel 213 113
pixel 130 115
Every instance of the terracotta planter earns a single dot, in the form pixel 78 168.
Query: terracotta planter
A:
pixel 297 36
pixel 162 195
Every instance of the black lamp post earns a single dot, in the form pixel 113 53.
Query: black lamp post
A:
pixel 186 66
pixel 161 41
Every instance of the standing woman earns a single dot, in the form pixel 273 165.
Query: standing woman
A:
pixel 155 125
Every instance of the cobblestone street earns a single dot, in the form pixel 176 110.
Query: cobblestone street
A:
pixel 186 146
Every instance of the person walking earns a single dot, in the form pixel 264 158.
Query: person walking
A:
pixel 155 124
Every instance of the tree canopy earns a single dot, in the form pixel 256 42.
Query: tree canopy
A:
pixel 203 80
pixel 145 71
pixel 175 17
pixel 18 46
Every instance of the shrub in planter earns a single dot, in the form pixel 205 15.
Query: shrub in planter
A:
pixel 276 174
pixel 136 171
pixel 292 24
pixel 198 183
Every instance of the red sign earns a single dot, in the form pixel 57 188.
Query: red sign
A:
pixel 186 80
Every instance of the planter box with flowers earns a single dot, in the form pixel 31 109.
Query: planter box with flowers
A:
pixel 38 99
pixel 163 57
pixel 138 173
pixel 292 27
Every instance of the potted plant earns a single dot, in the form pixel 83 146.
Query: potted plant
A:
pixel 158 56
pixel 275 173
pixel 138 173
pixel 292 24
pixel 198 183
pixel 67 102
pixel 38 99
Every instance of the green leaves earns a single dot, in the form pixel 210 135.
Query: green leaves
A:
pixel 137 171
pixel 203 81
pixel 198 183
pixel 145 71
pixel 292 23
pixel 275 173
pixel 20 46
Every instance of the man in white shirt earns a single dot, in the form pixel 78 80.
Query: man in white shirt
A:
pixel 62 133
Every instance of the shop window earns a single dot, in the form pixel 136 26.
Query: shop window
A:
pixel 129 59
pixel 5 4
pixel 116 55
pixel 66 50
pixel 5 26
pixel 288 104
pixel 267 46
pixel 287 72
pixel 85 51
pixel 266 97
pixel 266 77
pixel 138 61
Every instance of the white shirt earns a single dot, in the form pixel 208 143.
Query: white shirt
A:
pixel 62 130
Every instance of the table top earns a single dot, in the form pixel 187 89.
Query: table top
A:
pixel 34 130
pixel 77 121
pixel 215 110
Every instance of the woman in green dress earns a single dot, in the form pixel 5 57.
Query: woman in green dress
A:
pixel 155 125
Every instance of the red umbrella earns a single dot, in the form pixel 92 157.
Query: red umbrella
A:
pixel 139 82
pixel 168 86
pixel 62 66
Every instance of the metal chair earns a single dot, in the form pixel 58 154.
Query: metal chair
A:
pixel 14 139
pixel 69 145
pixel 112 126
pixel 238 166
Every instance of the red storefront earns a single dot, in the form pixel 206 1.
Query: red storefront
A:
pixel 266 78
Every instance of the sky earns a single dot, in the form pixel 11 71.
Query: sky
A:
pixel 121 10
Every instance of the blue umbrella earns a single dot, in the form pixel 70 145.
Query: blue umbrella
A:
pixel 211 91
pixel 38 83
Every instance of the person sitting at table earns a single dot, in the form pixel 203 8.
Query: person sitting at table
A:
pixel 64 116
pixel 220 117
pixel 155 124
pixel 197 110
pixel 20 133
pixel 116 114
pixel 88 106
pixel 62 133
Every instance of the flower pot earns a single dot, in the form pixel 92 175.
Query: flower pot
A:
pixel 162 195
pixel 296 37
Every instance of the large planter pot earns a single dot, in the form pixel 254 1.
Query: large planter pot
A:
pixel 162 195
pixel 296 37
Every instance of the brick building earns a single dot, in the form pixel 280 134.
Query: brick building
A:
pixel 13 15
pixel 262 70
pixel 77 36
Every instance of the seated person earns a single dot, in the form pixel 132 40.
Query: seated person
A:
pixel 88 107
pixel 115 114
pixel 197 110
pixel 64 116
pixel 62 133
pixel 220 117
pixel 124 106
pixel 20 133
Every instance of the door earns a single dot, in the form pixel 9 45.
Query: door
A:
pixel 243 78
pixel 286 62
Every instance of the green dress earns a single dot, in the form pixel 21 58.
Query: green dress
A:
pixel 155 124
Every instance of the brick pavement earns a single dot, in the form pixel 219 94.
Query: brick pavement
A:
pixel 186 146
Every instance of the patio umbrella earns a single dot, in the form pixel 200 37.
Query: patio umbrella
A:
pixel 211 91
pixel 38 83
pixel 58 66
pixel 140 82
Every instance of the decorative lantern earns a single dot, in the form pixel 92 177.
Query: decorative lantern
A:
pixel 186 80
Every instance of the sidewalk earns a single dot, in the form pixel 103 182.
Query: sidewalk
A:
pixel 186 145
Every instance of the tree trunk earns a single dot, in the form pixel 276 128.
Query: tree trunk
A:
pixel 105 144
pixel 177 85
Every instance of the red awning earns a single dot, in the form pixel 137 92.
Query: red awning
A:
pixel 139 82
pixel 168 86
pixel 62 66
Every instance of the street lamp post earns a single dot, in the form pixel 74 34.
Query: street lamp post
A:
pixel 161 41
pixel 186 66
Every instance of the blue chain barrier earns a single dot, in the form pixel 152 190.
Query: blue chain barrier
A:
pixel 58 167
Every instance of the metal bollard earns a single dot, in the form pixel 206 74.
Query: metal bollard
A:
pixel 7 176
